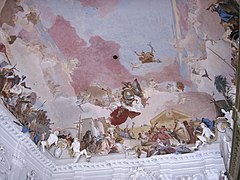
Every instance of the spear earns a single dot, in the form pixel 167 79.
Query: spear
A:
pixel 42 105
pixel 224 60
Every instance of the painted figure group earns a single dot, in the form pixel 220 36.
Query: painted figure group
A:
pixel 19 99
pixel 185 137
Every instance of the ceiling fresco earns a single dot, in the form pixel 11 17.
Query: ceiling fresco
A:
pixel 122 61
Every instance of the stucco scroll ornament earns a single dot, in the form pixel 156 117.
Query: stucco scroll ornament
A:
pixel 191 177
pixel 137 173
pixel 165 177
pixel 211 174
pixel 4 164
pixel 18 159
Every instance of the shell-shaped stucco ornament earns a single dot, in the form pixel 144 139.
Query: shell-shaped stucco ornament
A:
pixel 138 173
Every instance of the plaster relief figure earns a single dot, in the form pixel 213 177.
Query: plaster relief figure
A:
pixel 228 116
pixel 76 150
pixel 205 135
pixel 61 146
pixel 52 139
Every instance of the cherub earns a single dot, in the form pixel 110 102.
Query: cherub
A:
pixel 146 57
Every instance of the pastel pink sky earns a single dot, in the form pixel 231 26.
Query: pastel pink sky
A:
pixel 96 63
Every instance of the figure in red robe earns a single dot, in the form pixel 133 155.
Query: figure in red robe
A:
pixel 120 115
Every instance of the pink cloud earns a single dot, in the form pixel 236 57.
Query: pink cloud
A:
pixel 96 63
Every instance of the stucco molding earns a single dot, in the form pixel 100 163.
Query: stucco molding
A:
pixel 154 160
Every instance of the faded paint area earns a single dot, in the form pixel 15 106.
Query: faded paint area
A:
pixel 103 6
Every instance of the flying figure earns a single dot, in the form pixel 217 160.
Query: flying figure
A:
pixel 146 57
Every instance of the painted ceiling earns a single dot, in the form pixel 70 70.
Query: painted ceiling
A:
pixel 78 54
